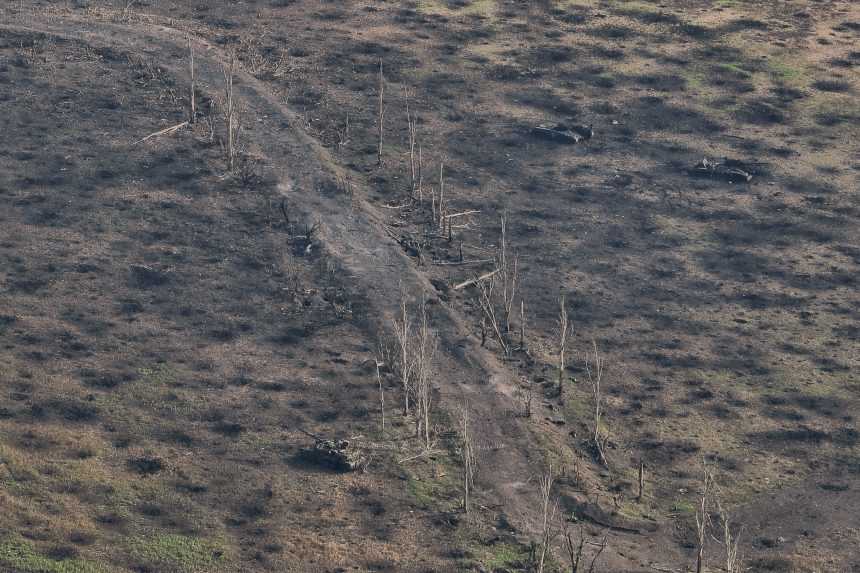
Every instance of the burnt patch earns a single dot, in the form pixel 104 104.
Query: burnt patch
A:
pixel 145 465
pixel 832 86
pixel 760 112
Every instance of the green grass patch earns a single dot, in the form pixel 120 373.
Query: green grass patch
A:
pixel 425 492
pixel 504 555
pixel 784 71
pixel 160 375
pixel 21 555
pixel 736 69
pixel 683 507
pixel 178 553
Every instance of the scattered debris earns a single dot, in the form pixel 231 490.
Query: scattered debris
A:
pixel 338 455
pixel 562 133
pixel 729 170
pixel 166 131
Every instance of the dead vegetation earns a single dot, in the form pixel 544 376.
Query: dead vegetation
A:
pixel 673 256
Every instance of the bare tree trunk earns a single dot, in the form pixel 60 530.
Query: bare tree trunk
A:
pixel 412 124
pixel 420 175
pixel 406 362
pixel 594 371
pixel 426 350
pixel 509 274
pixel 574 552
pixel 522 324
pixel 231 112
pixel 442 196
pixel 193 94
pixel 381 394
pixel 597 555
pixel 381 115
pixel 703 520
pixel 563 330
pixel 485 299
pixel 469 460
pixel 549 512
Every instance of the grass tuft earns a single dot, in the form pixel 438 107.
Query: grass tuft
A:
pixel 178 553
pixel 21 555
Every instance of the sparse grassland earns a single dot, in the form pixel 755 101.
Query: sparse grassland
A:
pixel 181 316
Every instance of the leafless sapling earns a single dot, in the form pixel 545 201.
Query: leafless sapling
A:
pixel 594 367
pixel 381 113
pixel 414 162
pixel 485 299
pixel 549 510
pixel 193 95
pixel 703 518
pixel 381 392
pixel 509 273
pixel 405 364
pixel 425 350
pixel 441 204
pixel 231 111
pixel 564 330
pixel 469 459
pixel 575 551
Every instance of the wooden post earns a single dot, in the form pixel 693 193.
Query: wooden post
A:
pixel 641 480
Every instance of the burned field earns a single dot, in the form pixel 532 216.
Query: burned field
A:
pixel 174 337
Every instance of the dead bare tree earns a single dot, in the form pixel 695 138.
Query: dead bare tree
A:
pixel 730 534
pixel 440 212
pixel 549 511
pixel 522 325
pixel 343 134
pixel 425 350
pixel 703 519
pixel 576 551
pixel 594 370
pixel 509 273
pixel 231 112
pixel 641 480
pixel 564 329
pixel 414 162
pixel 731 541
pixel 381 113
pixel 193 95
pixel 420 175
pixel 469 459
pixel 381 392
pixel 488 307
pixel 527 394
pixel 405 363
pixel 601 548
